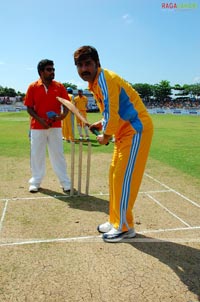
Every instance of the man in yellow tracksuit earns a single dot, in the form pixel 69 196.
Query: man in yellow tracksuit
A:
pixel 125 117
pixel 68 121
pixel 81 101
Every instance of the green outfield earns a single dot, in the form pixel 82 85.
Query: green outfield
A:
pixel 54 236
pixel 176 140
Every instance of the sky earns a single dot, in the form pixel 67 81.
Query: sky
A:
pixel 141 40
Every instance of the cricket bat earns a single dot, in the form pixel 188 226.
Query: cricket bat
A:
pixel 74 110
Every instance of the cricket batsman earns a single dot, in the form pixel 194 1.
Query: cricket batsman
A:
pixel 125 117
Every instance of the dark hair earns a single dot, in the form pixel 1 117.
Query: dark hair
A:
pixel 85 52
pixel 43 63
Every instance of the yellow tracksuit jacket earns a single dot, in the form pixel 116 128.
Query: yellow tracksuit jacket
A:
pixel 81 105
pixel 68 123
pixel 126 117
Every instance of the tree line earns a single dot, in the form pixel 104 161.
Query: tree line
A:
pixel 148 92
pixel 163 90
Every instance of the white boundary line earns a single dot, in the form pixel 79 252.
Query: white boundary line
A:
pixel 166 209
pixel 96 238
pixel 170 230
pixel 99 238
pixel 3 215
pixel 172 190
pixel 68 196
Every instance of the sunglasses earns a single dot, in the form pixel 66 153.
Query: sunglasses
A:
pixel 49 69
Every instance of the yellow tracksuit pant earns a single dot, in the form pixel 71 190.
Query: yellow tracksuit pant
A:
pixel 125 177
pixel 80 122
pixel 68 127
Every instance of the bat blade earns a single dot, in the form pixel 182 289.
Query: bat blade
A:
pixel 73 109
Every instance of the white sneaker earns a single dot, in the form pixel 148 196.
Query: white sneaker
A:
pixel 115 236
pixel 105 227
pixel 33 189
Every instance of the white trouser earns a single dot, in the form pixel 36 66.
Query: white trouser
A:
pixel 52 139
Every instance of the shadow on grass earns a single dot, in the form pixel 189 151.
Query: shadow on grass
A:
pixel 83 202
pixel 183 260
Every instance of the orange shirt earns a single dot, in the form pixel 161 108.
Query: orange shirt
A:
pixel 43 101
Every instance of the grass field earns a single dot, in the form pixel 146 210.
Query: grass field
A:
pixel 175 143
pixel 50 249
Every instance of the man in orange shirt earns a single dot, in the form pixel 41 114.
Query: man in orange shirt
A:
pixel 81 101
pixel 46 116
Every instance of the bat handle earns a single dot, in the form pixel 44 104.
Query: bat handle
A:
pixel 96 132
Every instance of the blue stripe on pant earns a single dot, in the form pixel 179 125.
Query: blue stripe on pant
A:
pixel 127 180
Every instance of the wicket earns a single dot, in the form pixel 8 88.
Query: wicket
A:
pixel 80 164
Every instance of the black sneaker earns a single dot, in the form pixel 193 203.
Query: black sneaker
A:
pixel 67 191
pixel 115 236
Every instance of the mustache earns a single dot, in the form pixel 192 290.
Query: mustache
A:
pixel 85 73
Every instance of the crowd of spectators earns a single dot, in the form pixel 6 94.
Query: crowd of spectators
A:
pixel 178 103
pixel 6 100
